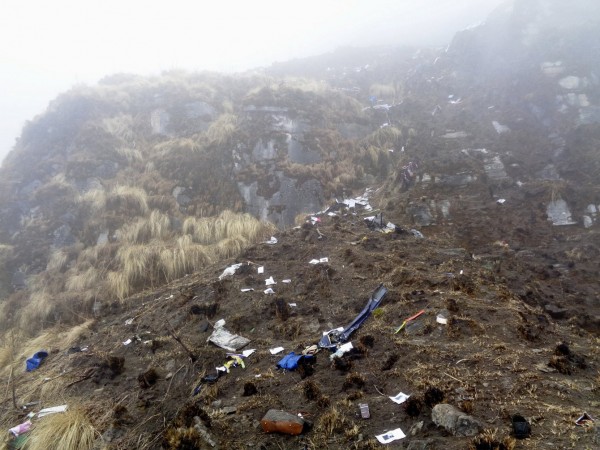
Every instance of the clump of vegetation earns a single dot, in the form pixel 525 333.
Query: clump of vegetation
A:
pixel 71 429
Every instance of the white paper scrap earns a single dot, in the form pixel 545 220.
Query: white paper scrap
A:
pixel 314 261
pixel 247 353
pixel 129 321
pixel 269 291
pixel 52 410
pixel 270 281
pixel 276 350
pixel 271 241
pixel 286 281
pixel 324 260
pixel 500 201
pixel 400 398
pixel 247 289
pixel 293 305
pixel 390 436
pixel 228 271
pixel 441 319
pixel 261 269
pixel 127 342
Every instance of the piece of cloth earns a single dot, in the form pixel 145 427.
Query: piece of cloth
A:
pixel 36 360
pixel 290 361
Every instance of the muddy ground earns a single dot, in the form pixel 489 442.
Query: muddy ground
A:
pixel 499 354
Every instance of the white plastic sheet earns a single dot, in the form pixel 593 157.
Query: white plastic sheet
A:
pixel 390 436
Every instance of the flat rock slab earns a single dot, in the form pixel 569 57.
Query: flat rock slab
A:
pixel 454 420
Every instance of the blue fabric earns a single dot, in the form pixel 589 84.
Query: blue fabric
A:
pixel 35 361
pixel 290 361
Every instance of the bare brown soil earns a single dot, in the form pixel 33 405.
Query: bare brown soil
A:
pixel 500 353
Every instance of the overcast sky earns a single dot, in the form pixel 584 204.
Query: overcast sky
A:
pixel 46 46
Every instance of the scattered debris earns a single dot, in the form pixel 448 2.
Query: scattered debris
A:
pixel 21 428
pixel 230 270
pixel 400 398
pixel 270 281
pixel 585 420
pixel 52 410
pixel 269 291
pixel 319 261
pixel 276 350
pixel 441 319
pixel 410 319
pixel 331 338
pixel 291 361
pixel 390 436
pixel 364 410
pixel 226 340
pixel 277 421
pixel 36 360
pixel 271 241
pixel 342 349
pixel 521 427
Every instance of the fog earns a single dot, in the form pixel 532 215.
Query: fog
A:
pixel 46 47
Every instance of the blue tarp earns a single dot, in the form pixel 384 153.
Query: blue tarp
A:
pixel 35 361
pixel 290 361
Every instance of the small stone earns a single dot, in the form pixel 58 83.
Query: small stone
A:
pixel 229 410
pixel 416 428
pixel 169 376
pixel 216 403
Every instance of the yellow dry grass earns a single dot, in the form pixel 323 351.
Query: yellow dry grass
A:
pixel 71 430
pixel 57 261
pixel 81 281
pixel 130 154
pixel 132 200
pixel 120 126
pixel 94 199
pixel 156 226
pixel 222 129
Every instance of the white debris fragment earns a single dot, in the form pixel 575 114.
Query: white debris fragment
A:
pixel 127 342
pixel 247 289
pixel 275 350
pixel 293 305
pixel 261 269
pixel 501 201
pixel 269 291
pixel 270 281
pixel 52 410
pixel 129 321
pixel 390 436
pixel 287 281
pixel 441 319
pixel 400 398
pixel 271 241
pixel 230 270
pixel 500 129
pixel 247 353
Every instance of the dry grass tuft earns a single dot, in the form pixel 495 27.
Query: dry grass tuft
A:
pixel 69 430
pixel 222 129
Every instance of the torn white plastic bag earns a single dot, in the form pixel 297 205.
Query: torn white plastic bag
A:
pixel 230 270
pixel 225 339
pixel 270 281
pixel 52 410
pixel 269 291
pixel 400 398
pixel 391 436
